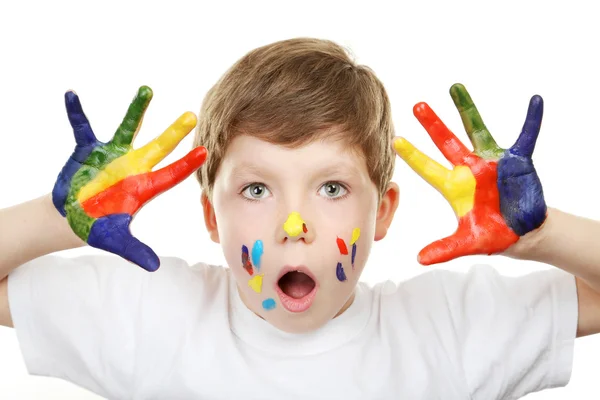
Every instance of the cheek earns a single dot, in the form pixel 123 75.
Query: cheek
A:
pixel 351 252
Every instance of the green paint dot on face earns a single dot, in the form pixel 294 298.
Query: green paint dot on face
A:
pixel 268 304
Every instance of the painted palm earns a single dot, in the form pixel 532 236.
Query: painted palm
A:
pixel 103 185
pixel 494 192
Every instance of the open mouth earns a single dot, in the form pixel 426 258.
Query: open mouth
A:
pixel 296 289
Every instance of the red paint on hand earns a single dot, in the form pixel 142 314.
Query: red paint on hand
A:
pixel 128 195
pixel 483 229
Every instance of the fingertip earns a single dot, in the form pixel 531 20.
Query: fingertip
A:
pixel 400 144
pixel 145 92
pixel 421 258
pixel 199 154
pixel 188 120
pixel 152 265
pixel 456 88
pixel 536 100
pixel 425 257
pixel 460 96
pixel 71 96
pixel 143 256
pixel 420 109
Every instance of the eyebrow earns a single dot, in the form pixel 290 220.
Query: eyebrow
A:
pixel 244 169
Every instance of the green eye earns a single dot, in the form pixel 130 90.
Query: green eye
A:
pixel 255 191
pixel 333 190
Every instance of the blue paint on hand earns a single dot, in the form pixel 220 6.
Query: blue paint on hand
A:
pixel 522 201
pixel 339 272
pixel 268 304
pixel 111 233
pixel 85 141
pixel 257 252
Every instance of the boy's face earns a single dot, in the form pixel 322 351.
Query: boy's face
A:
pixel 291 221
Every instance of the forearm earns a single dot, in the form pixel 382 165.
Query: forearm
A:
pixel 30 230
pixel 566 241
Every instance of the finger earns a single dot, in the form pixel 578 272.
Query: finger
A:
pixel 139 161
pixel 434 173
pixel 62 186
pixel 133 119
pixel 153 152
pixel 525 143
pixel 461 243
pixel 111 233
pixel 169 176
pixel 444 139
pixel 84 136
pixel 483 143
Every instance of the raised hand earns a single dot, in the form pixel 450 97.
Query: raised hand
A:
pixel 494 192
pixel 103 185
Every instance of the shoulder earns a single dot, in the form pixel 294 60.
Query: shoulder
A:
pixel 450 295
pixel 111 279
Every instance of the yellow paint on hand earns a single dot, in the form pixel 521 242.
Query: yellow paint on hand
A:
pixel 256 283
pixel 293 224
pixel 460 190
pixel 457 185
pixel 355 236
pixel 141 160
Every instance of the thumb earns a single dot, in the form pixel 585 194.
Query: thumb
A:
pixel 459 244
pixel 111 233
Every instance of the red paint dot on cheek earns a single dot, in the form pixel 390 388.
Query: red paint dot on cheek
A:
pixel 304 228
pixel 342 246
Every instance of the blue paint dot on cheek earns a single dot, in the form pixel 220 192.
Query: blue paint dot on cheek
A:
pixel 268 304
pixel 257 252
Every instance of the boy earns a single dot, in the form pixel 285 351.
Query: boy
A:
pixel 296 184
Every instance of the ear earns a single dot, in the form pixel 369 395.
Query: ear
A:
pixel 386 210
pixel 210 220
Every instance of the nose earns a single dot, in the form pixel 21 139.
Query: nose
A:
pixel 295 228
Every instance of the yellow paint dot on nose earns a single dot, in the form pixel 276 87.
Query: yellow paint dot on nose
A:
pixel 355 235
pixel 256 283
pixel 293 224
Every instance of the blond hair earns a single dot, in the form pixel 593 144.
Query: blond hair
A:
pixel 290 92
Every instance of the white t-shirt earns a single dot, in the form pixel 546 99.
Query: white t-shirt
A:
pixel 182 332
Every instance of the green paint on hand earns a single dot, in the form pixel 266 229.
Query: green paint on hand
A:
pixel 483 143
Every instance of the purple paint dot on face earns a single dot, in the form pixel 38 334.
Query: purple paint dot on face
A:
pixel 268 304
pixel 339 272
pixel 353 253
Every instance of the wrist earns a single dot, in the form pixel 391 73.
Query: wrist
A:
pixel 30 230
pixel 531 245
pixel 55 228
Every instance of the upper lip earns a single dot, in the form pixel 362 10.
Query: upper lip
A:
pixel 300 268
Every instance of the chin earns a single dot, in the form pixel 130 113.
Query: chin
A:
pixel 299 323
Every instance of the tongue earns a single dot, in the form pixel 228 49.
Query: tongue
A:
pixel 296 284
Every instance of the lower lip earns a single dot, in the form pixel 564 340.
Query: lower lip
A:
pixel 296 305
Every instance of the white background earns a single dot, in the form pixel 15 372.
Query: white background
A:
pixel 504 53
